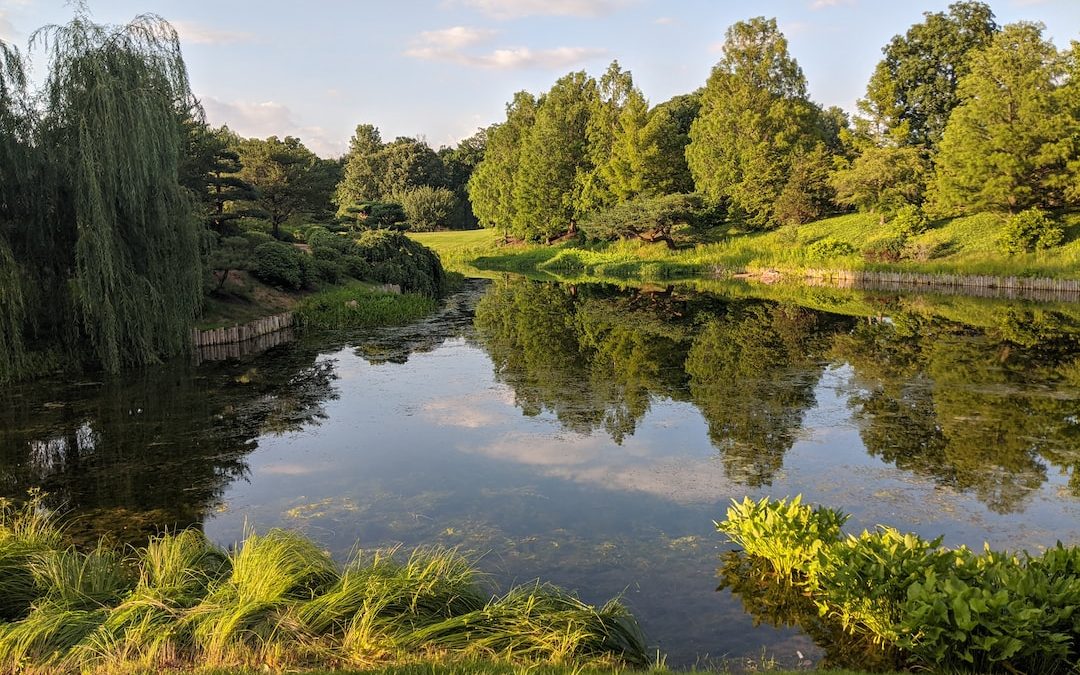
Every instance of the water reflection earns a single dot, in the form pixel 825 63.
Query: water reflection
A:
pixel 984 408
pixel 158 448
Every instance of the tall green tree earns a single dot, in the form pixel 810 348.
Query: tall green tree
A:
pixel 211 171
pixel 460 162
pixel 408 163
pixel 615 95
pixel 284 174
pixel 491 186
pixel 665 137
pixel 1008 143
pixel 755 117
pixel 624 175
pixel 99 245
pixel 360 179
pixel 914 88
pixel 548 184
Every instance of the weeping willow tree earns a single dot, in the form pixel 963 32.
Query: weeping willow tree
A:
pixel 15 175
pixel 99 244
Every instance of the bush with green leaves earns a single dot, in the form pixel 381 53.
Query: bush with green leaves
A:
pixel 885 249
pixel 829 248
pixel 1028 231
pixel 909 221
pixel 393 258
pixel 789 534
pixel 281 265
pixel 427 208
pixel 937 608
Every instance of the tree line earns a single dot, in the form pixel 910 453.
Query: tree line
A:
pixel 960 116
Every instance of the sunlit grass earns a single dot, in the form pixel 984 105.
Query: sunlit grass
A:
pixel 966 245
pixel 276 602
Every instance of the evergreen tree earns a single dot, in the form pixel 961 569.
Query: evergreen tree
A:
pixel 755 117
pixel 548 184
pixel 360 181
pixel 491 186
pixel 614 94
pixel 1008 143
pixel 665 137
pixel 284 174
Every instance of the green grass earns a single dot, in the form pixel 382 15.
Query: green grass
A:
pixel 966 245
pixel 277 602
pixel 360 306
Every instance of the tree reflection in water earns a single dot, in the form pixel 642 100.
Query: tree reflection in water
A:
pixel 985 406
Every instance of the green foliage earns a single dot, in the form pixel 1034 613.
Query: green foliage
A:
pixel 882 179
pixel 358 307
pixel 828 247
pixel 99 243
pixel 1030 230
pixel 913 89
pixel 393 258
pixel 288 178
pixel 1008 142
pixel 281 265
pixel 939 608
pixel 909 221
pixel 374 215
pixel 426 208
pixel 491 187
pixel 650 219
pixel 755 118
pixel 547 191
pixel 789 534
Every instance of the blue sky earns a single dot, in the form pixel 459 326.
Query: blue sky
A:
pixel 442 68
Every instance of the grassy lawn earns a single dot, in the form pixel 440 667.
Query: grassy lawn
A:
pixel 966 245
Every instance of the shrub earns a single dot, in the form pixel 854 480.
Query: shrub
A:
pixel 393 258
pixel 829 248
pixel 886 249
pixel 426 207
pixel 255 237
pixel 1028 231
pixel 280 265
pixel 909 221
pixel 330 271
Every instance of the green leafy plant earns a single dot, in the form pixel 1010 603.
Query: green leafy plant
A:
pixel 829 248
pixel 1030 230
pixel 787 533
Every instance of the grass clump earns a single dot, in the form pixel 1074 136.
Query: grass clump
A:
pixel 932 607
pixel 275 602
pixel 361 307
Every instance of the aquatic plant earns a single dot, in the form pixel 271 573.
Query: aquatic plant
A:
pixel 361 307
pixel 276 601
pixel 938 608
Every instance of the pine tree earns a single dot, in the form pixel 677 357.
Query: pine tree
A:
pixel 1008 143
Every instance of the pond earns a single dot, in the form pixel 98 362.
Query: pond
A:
pixel 588 435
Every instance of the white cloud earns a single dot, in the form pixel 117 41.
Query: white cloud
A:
pixel 197 33
pixel 665 21
pixel 823 4
pixel 516 9
pixel 449 44
pixel 270 118
pixel 456 37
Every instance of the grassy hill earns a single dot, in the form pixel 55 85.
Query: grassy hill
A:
pixel 965 245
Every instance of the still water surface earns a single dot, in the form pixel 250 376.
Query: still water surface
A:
pixel 589 436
